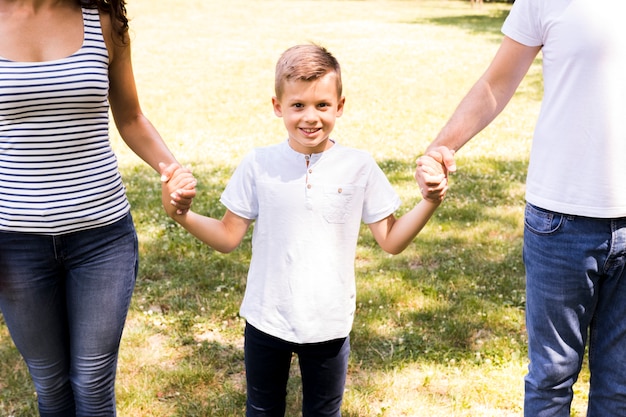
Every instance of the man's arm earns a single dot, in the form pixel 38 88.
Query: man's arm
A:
pixel 485 100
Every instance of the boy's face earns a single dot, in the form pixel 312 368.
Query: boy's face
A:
pixel 309 110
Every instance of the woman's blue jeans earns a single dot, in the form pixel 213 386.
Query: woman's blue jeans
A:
pixel 65 299
pixel 323 367
pixel 576 293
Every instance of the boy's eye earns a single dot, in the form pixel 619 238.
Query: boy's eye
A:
pixel 319 106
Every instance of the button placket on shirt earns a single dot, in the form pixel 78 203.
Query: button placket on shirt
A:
pixel 310 190
pixel 308 186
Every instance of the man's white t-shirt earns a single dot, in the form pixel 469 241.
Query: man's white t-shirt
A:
pixel 308 211
pixel 578 158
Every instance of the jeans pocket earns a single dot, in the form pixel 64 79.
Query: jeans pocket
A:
pixel 541 221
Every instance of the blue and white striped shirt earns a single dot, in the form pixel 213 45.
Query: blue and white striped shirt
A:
pixel 58 173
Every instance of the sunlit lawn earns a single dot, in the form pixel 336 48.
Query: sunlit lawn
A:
pixel 439 329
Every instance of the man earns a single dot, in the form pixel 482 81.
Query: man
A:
pixel 575 218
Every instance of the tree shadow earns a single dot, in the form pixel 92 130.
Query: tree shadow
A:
pixel 484 23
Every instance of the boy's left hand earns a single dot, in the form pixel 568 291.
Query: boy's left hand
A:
pixel 430 175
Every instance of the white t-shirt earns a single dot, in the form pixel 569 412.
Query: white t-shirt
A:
pixel 578 158
pixel 301 284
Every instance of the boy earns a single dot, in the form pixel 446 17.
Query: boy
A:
pixel 308 196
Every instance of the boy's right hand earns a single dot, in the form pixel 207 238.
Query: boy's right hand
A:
pixel 177 183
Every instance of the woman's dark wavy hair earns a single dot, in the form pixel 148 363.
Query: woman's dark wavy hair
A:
pixel 115 8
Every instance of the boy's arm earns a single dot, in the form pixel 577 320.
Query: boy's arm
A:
pixel 222 235
pixel 394 235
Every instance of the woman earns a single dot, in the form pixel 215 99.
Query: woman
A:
pixel 68 248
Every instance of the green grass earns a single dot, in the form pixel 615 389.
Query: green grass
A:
pixel 439 329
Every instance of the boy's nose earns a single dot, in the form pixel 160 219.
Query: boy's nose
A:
pixel 310 114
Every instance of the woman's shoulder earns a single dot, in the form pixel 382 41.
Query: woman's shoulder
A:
pixel 112 38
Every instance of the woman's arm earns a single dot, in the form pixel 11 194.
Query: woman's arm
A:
pixel 134 127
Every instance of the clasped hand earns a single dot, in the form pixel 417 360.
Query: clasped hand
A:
pixel 431 172
pixel 178 186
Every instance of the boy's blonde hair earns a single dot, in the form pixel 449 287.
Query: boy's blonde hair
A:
pixel 305 63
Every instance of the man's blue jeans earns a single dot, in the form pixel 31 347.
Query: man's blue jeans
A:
pixel 323 367
pixel 575 292
pixel 65 299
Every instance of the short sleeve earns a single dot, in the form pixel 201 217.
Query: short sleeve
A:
pixel 240 196
pixel 523 24
pixel 381 199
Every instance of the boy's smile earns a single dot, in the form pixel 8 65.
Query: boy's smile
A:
pixel 309 110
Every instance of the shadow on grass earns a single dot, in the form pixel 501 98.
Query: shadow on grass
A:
pixel 473 23
pixel 455 295
pixel 490 24
pixel 464 273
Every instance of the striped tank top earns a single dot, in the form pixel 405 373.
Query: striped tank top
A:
pixel 58 173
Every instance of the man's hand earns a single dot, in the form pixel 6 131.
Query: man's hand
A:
pixel 432 171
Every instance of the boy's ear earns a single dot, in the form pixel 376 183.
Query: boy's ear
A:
pixel 278 111
pixel 340 105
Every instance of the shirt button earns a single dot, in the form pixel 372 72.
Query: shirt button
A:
pixel 308 186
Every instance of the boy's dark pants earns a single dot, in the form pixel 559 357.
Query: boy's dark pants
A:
pixel 323 367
